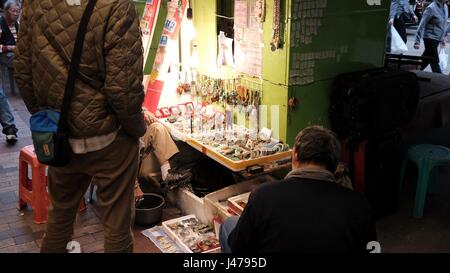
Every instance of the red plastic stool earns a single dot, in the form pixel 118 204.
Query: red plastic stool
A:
pixel 34 191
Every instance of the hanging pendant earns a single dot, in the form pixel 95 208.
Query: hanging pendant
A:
pixel 180 8
pixel 275 44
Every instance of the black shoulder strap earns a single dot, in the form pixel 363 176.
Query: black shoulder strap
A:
pixel 74 65
pixel 3 25
pixel 7 38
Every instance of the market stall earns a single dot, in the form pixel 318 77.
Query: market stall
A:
pixel 236 81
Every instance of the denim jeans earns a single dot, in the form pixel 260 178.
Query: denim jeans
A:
pixel 6 116
pixel 225 229
pixel 8 81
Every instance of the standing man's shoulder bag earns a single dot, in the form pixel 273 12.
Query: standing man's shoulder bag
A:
pixel 49 128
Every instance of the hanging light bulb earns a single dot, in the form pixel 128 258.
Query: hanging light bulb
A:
pixel 191 33
pixel 195 59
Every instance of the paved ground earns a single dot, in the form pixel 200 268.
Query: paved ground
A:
pixel 400 232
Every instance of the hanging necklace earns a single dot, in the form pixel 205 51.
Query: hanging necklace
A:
pixel 260 10
pixel 180 8
pixel 275 44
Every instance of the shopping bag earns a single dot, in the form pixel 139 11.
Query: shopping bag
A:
pixel 443 59
pixel 51 146
pixel 397 44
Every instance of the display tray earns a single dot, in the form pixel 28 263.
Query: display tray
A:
pixel 236 166
pixel 238 203
pixel 233 165
pixel 191 235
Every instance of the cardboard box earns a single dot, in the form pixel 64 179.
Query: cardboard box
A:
pixel 238 203
pixel 216 203
pixel 161 240
pixel 189 203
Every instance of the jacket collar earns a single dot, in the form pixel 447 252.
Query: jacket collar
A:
pixel 312 173
pixel 440 5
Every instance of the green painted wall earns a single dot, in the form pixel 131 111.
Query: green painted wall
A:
pixel 276 69
pixel 162 14
pixel 159 27
pixel 356 31
pixel 275 64
pixel 140 4
pixel 276 95
pixel 205 24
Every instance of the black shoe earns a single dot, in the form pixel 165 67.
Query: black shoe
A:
pixel 11 134
pixel 177 179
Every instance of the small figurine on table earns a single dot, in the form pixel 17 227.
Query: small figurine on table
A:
pixel 229 117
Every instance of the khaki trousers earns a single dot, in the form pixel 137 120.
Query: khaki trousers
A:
pixel 160 139
pixel 113 170
pixel 164 148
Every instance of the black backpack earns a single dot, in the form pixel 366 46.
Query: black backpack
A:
pixel 372 102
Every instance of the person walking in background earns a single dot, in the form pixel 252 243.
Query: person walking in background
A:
pixel 7 119
pixel 105 118
pixel 433 30
pixel 401 12
pixel 8 38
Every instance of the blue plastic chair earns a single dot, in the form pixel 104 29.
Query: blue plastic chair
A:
pixel 427 158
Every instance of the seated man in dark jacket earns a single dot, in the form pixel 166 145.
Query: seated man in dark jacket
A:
pixel 307 211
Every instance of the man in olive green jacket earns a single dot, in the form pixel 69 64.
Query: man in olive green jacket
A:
pixel 105 118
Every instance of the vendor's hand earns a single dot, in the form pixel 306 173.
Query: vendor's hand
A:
pixel 391 22
pixel 138 193
pixel 149 120
pixel 416 45
pixel 416 19
pixel 7 48
pixel 149 117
